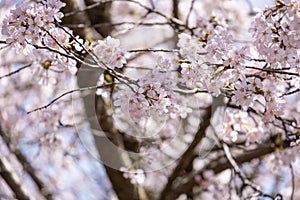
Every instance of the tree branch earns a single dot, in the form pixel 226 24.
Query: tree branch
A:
pixel 220 164
pixel 237 171
pixel 153 50
pixel 11 181
pixel 28 168
pixel 16 71
pixel 190 12
pixel 293 181
pixel 104 16
pixel 69 92
pixel 188 155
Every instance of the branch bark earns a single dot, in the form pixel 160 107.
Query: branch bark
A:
pixel 220 164
pixel 85 31
pixel 28 168
pixel 12 182
pixel 100 13
pixel 187 156
pixel 96 107
pixel 110 144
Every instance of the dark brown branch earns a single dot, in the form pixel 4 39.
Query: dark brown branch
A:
pixel 11 181
pixel 100 13
pixel 81 17
pixel 95 104
pixel 189 13
pixel 175 21
pixel 95 108
pixel 152 50
pixel 220 164
pixel 176 8
pixel 78 10
pixel 187 156
pixel 238 171
pixel 28 168
pixel 291 92
pixel 69 92
pixel 16 71
pixel 273 71
pixel 123 188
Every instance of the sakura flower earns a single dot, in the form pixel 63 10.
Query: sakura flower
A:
pixel 189 47
pixel 109 52
pixel 153 94
pixel 28 22
pixel 241 96
pixel 136 176
pixel 163 63
pixel 189 74
pixel 56 38
pixel 254 84
pixel 274 108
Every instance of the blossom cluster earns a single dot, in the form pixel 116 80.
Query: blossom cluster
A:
pixel 209 55
pixel 109 53
pixel 28 24
pixel 153 95
pixel 213 62
pixel 195 71
pixel 31 29
pixel 238 125
pixel 254 78
pixel 276 35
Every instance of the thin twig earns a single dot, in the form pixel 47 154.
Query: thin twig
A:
pixel 16 71
pixel 191 91
pixel 291 92
pixel 100 63
pixel 91 53
pixel 4 47
pixel 190 12
pixel 70 92
pixel 273 71
pixel 122 32
pixel 153 50
pixel 173 20
pixel 237 170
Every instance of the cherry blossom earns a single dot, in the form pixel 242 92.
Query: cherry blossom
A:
pixel 109 52
pixel 155 101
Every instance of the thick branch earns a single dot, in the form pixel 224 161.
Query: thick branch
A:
pixel 100 14
pixel 95 108
pixel 28 168
pixel 188 155
pixel 11 181
pixel 79 18
pixel 220 164
pixel 176 8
